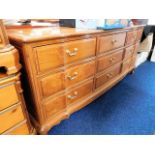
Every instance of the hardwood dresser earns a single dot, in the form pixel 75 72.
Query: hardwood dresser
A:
pixel 14 118
pixel 68 68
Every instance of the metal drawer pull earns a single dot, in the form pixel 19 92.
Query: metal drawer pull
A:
pixel 72 53
pixel 114 41
pixel 71 97
pixel 109 75
pixel 14 110
pixel 74 76
pixel 112 59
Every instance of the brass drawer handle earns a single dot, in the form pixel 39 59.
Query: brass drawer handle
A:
pixel 74 76
pixel 112 60
pixel 71 97
pixel 14 110
pixel 114 41
pixel 109 75
pixel 72 53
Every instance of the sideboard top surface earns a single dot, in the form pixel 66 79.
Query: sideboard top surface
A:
pixel 26 35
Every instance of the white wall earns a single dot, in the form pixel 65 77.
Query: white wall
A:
pixel 151 22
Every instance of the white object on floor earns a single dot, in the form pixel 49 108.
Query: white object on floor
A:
pixel 144 49
pixel 141 57
pixel 153 55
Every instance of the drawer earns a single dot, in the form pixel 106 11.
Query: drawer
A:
pixel 49 57
pixel 0 40
pixel 79 49
pixel 52 84
pixel 136 46
pixel 106 77
pixel 139 34
pixel 131 37
pixel 10 117
pixel 79 73
pixel 79 92
pixel 4 99
pixel 54 106
pixel 52 56
pixel 109 60
pixel 129 51
pixel 21 129
pixel 126 65
pixel 133 61
pixel 110 42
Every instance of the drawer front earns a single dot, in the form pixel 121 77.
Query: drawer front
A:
pixel 129 51
pixel 79 92
pixel 20 130
pixel 79 49
pixel 55 105
pixel 52 84
pixel 109 60
pixel 139 34
pixel 112 73
pixel 0 40
pixel 126 65
pixel 131 37
pixel 133 61
pixel 4 99
pixel 136 46
pixel 49 57
pixel 10 118
pixel 111 42
pixel 79 73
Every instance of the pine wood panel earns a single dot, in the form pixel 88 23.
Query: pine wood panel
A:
pixel 110 42
pixel 103 78
pixel 133 61
pixel 51 84
pixel 7 101
pixel 126 65
pixel 10 118
pixel 129 51
pixel 49 57
pixel 55 105
pixel 20 129
pixel 10 61
pixel 80 49
pixel 131 37
pixel 79 73
pixel 4 41
pixel 79 92
pixel 106 61
pixel 139 34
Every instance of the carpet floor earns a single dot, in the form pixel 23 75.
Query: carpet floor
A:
pixel 127 109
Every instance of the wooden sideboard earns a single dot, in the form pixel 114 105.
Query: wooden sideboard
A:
pixel 14 119
pixel 67 68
